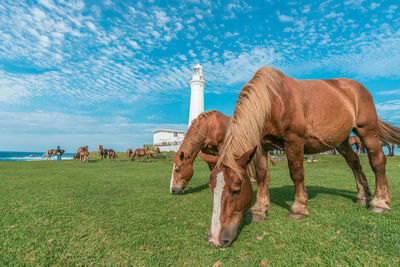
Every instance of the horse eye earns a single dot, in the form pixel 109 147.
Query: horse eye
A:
pixel 177 170
pixel 235 192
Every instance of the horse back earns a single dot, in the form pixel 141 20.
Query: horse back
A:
pixel 215 126
pixel 316 110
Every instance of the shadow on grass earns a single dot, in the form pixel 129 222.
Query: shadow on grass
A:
pixel 281 195
pixel 196 189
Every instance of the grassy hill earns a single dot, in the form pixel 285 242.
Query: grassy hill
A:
pixel 115 212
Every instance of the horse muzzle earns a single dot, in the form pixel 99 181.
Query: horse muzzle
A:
pixel 177 191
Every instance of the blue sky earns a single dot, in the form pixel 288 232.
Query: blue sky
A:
pixel 89 72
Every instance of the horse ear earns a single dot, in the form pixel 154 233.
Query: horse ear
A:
pixel 181 155
pixel 209 159
pixel 246 157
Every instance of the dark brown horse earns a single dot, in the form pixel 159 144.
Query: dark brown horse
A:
pixel 276 111
pixel 355 140
pixel 206 134
pixel 141 152
pixel 53 152
pixel 109 153
pixel 129 153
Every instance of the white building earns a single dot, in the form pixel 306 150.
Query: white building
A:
pixel 168 140
pixel 197 85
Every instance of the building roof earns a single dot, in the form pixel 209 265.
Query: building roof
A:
pixel 167 130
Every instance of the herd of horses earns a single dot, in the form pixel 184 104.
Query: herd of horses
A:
pixel 83 154
pixel 299 117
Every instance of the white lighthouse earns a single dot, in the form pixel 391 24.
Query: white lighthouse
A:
pixel 197 85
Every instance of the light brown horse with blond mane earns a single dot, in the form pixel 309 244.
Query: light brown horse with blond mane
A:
pixel 141 152
pixel 297 116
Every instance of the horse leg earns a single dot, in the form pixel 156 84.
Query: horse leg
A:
pixel 352 159
pixel 259 211
pixel 295 154
pixel 377 160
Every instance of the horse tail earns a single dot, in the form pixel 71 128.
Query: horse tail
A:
pixel 389 133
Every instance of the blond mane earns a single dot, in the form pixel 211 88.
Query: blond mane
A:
pixel 193 138
pixel 251 112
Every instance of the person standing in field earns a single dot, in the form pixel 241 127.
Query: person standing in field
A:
pixel 59 153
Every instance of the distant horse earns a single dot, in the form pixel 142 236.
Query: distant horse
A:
pixel 355 140
pixel 100 149
pixel 390 147
pixel 53 152
pixel 112 154
pixel 82 148
pixel 109 153
pixel 129 153
pixel 276 111
pixel 141 152
pixel 152 148
pixel 206 134
pixel 84 156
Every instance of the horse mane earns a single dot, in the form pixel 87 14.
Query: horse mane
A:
pixel 252 110
pixel 193 137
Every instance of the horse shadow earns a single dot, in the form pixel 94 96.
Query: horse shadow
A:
pixel 283 195
pixel 196 189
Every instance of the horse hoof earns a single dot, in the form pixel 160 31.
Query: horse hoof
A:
pixel 378 209
pixel 296 216
pixel 361 202
pixel 251 217
pixel 378 206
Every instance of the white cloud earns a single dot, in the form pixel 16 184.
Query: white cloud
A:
pixel 91 26
pixel 134 44
pixel 284 18
pixel 47 3
pixel 391 92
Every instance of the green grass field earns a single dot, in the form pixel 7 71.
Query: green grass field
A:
pixel 121 213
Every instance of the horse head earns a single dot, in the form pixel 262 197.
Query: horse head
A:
pixel 182 172
pixel 233 195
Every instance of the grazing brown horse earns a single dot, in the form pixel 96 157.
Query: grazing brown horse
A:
pixel 206 134
pixel 113 154
pixel 276 111
pixel 390 147
pixel 355 140
pixel 53 152
pixel 141 152
pixel 83 156
pixel 129 153
pixel 82 148
pixel 109 153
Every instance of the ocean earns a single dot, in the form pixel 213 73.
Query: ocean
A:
pixel 29 156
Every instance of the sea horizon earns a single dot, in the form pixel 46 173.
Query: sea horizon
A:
pixel 30 156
